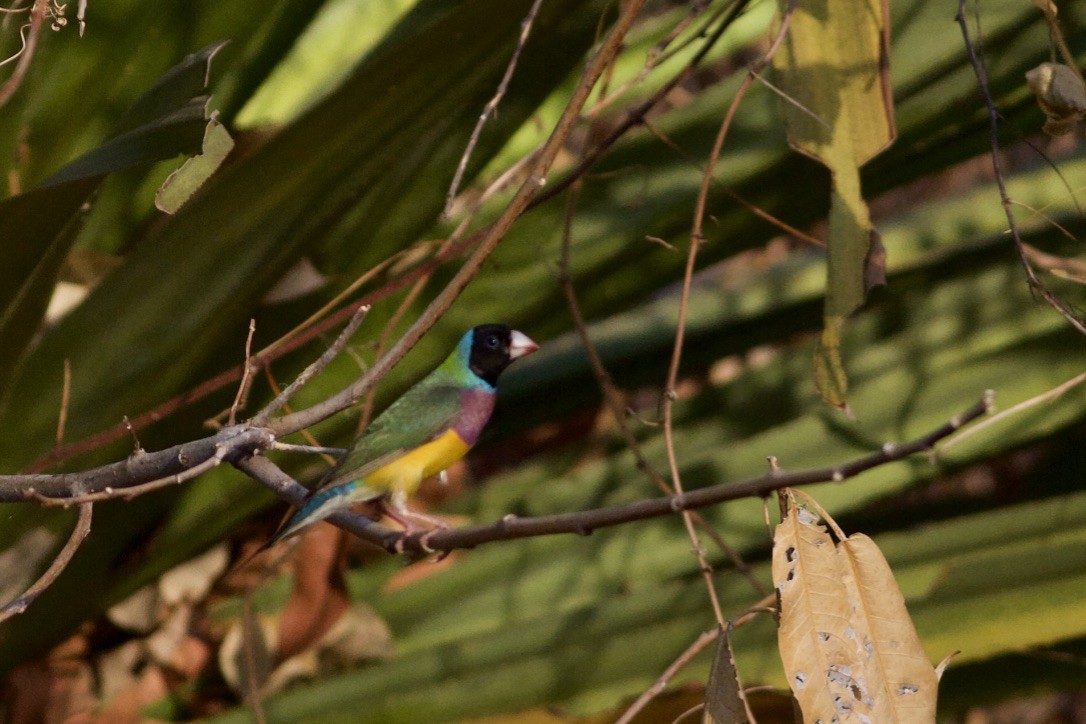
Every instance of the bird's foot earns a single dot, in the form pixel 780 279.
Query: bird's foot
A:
pixel 416 524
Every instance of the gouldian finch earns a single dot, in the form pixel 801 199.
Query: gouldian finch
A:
pixel 428 428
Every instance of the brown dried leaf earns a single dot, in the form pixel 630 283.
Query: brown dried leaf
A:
pixel 1060 94
pixel 245 663
pixel 191 581
pixel 138 613
pixel 319 597
pixel 848 645
pixel 896 676
pixel 817 659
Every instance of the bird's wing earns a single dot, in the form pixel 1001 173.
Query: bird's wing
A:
pixel 423 413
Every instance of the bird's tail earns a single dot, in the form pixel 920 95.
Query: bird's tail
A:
pixel 320 505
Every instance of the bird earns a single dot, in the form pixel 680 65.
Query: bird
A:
pixel 432 425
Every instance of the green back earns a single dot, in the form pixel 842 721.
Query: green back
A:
pixel 423 413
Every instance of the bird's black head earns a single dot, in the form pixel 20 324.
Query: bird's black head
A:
pixel 494 347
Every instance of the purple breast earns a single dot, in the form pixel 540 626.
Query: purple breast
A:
pixel 476 406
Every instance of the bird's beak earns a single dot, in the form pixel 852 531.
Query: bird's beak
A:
pixel 520 345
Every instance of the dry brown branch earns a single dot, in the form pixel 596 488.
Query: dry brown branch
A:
pixel 30 34
pixel 585 522
pixel 79 533
pixel 696 237
pixel 313 369
pixel 242 396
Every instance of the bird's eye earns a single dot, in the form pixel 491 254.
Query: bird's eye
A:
pixel 491 342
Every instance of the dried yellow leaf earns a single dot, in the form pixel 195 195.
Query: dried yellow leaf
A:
pixel 818 660
pixel 849 648
pixel 896 674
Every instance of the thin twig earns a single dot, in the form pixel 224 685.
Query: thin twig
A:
pixel 654 54
pixel 757 211
pixel 26 54
pixel 491 107
pixel 308 436
pixel 680 663
pixel 242 396
pixel 696 237
pixel 1035 283
pixel 249 624
pixel 79 533
pixel 313 369
pixel 613 398
pixel 65 400
pixel 382 343
pixel 695 648
pixel 308 449
pixel 1009 412
pixel 790 100
pixel 137 447
pixel 584 522
pixel 636 115
pixel 688 713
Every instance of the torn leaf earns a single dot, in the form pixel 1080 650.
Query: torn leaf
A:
pixel 185 181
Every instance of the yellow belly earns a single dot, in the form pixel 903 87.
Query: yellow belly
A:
pixel 405 473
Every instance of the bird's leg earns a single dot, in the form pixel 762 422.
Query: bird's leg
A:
pixel 396 508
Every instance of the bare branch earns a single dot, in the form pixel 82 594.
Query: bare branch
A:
pixel 137 469
pixel 696 238
pixel 26 53
pixel 242 396
pixel 584 522
pixel 314 369
pixel 129 492
pixel 79 533
pixel 1040 399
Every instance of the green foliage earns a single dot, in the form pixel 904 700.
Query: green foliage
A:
pixel 358 172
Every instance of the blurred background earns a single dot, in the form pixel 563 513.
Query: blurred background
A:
pixel 339 127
